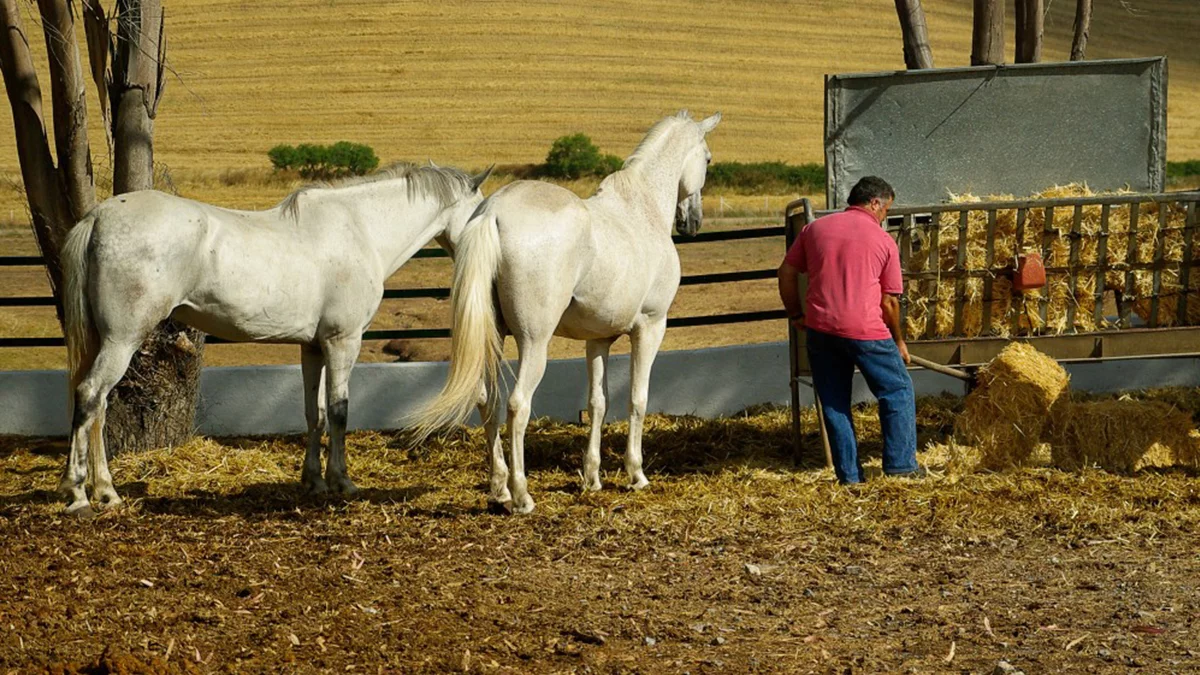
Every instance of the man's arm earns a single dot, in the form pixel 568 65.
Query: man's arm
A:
pixel 891 317
pixel 789 293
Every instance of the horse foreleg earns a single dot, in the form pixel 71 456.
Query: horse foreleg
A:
pixel 489 412
pixel 312 361
pixel 529 375
pixel 645 339
pixel 597 362
pixel 340 356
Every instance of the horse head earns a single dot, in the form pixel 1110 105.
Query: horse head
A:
pixel 689 212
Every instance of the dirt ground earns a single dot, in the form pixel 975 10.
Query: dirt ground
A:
pixel 737 559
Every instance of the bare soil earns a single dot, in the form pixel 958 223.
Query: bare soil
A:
pixel 737 559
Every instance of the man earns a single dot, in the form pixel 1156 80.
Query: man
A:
pixel 853 319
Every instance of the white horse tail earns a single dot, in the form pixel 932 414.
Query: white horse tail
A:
pixel 476 347
pixel 82 341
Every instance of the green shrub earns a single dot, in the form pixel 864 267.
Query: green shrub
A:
pixel 1185 169
pixel 575 156
pixel 321 162
pixel 766 177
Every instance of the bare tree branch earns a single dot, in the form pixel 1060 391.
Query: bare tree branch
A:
pixel 69 100
pixel 136 77
pixel 987 39
pixel 917 53
pixel 1083 21
pixel 1030 15
pixel 99 41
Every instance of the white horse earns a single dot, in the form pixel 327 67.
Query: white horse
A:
pixel 591 270
pixel 309 271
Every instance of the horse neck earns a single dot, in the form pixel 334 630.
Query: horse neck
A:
pixel 395 225
pixel 661 172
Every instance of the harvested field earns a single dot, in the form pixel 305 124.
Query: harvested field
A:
pixel 735 560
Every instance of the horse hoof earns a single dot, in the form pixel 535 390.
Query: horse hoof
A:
pixel 592 485
pixel 109 503
pixel 316 486
pixel 82 512
pixel 523 507
pixel 343 486
pixel 640 483
pixel 504 508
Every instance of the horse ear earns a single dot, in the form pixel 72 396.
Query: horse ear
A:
pixel 477 180
pixel 684 114
pixel 433 166
pixel 710 123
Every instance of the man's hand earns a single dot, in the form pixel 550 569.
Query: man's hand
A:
pixel 797 323
pixel 903 347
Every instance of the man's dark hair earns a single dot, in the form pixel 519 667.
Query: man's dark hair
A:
pixel 868 188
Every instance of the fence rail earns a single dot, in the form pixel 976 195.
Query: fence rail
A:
pixel 443 293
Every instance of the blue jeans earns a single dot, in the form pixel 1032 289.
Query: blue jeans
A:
pixel 833 360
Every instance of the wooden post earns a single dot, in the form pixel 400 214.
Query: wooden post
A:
pixel 1083 21
pixel 1029 29
pixel 987 39
pixel 917 53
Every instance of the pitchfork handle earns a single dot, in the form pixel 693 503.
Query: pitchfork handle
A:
pixel 939 368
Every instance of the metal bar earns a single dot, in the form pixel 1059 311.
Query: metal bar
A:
pixel 1073 265
pixel 1113 200
pixel 1131 256
pixel 27 302
pixel 728 277
pixel 1047 248
pixel 1185 269
pixel 906 253
pixel 1018 248
pixel 401 293
pixel 960 286
pixel 989 261
pixel 729 235
pixel 1102 264
pixel 720 319
pixel 1156 283
pixel 935 265
pixel 21 261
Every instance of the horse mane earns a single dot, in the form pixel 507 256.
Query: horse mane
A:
pixel 443 183
pixel 655 137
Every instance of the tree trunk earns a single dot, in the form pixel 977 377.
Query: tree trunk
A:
pixel 1030 16
pixel 51 214
pixel 917 53
pixel 987 39
pixel 1083 21
pixel 155 404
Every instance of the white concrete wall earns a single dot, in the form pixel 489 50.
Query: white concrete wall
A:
pixel 707 383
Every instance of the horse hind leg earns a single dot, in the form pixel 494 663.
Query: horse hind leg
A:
pixel 87 432
pixel 597 363
pixel 312 364
pixel 499 496
pixel 533 352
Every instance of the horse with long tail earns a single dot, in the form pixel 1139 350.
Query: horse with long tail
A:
pixel 309 271
pixel 537 261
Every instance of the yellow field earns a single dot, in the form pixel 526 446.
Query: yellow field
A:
pixel 472 83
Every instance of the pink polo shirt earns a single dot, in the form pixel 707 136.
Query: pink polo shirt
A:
pixel 850 262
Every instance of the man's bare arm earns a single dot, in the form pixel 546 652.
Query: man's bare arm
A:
pixel 891 317
pixel 789 293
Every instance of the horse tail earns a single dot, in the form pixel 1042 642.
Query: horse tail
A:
pixel 476 347
pixel 82 340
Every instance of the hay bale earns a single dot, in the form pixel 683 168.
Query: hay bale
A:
pixel 1005 415
pixel 935 300
pixel 1122 436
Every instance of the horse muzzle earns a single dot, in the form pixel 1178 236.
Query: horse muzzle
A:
pixel 689 215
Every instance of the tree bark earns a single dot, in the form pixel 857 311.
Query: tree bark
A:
pixel 68 95
pixel 917 53
pixel 987 39
pixel 1030 15
pixel 155 404
pixel 1083 22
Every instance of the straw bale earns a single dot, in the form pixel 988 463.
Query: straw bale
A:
pixel 1122 436
pixel 1020 313
pixel 1005 415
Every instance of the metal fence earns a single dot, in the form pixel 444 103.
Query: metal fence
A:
pixel 774 232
